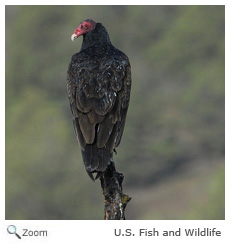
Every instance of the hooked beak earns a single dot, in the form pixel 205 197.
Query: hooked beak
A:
pixel 73 37
pixel 78 32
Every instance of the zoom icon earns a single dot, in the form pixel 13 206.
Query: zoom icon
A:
pixel 11 229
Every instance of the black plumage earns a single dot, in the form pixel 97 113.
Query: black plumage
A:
pixel 99 84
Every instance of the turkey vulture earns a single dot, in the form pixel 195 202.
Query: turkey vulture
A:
pixel 99 84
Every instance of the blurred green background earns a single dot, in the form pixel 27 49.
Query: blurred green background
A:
pixel 172 152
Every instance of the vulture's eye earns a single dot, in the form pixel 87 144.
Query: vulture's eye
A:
pixel 86 26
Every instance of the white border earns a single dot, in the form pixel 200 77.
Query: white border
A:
pixel 103 231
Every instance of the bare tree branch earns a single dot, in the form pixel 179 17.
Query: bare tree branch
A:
pixel 115 200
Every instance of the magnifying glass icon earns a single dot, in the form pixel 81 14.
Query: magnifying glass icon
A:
pixel 11 229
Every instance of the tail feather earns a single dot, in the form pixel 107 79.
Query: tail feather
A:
pixel 96 159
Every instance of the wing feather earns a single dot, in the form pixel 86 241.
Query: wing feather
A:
pixel 104 131
pixel 87 128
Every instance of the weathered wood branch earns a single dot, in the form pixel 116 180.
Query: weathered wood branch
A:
pixel 115 200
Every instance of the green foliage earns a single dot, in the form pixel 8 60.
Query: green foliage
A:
pixel 175 118
pixel 212 204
